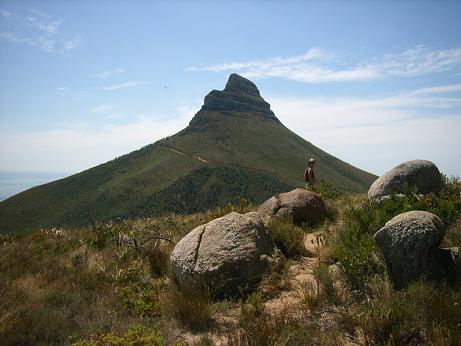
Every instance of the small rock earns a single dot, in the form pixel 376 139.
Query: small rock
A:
pixel 420 174
pixel 300 204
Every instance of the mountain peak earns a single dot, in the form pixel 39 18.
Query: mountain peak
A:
pixel 240 85
pixel 239 95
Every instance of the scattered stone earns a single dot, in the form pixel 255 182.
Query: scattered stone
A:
pixel 420 174
pixel 301 205
pixel 228 254
pixel 409 243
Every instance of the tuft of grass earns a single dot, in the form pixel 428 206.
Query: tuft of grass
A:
pixel 189 306
pixel 277 277
pixel 288 237
pixel 258 327
pixel 242 206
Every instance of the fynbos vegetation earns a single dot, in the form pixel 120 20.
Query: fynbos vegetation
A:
pixel 111 284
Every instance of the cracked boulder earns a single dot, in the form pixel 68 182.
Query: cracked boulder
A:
pixel 301 205
pixel 421 176
pixel 410 245
pixel 227 255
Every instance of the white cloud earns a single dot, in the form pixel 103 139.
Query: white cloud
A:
pixel 377 133
pixel 318 66
pixel 438 89
pixel 49 150
pixel 38 29
pixel 107 111
pixel 128 84
pixel 101 109
pixel 62 90
pixel 70 45
pixel 5 13
pixel 105 74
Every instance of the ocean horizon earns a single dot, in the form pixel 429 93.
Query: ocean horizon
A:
pixel 14 182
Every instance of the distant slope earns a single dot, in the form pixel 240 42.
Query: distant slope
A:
pixel 233 147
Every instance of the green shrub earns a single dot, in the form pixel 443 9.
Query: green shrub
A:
pixel 420 314
pixel 136 335
pixel 288 237
pixel 141 299
pixel 327 190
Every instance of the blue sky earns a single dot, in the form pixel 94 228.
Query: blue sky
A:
pixel 373 83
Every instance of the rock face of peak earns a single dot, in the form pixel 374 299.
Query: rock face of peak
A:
pixel 239 95
pixel 240 85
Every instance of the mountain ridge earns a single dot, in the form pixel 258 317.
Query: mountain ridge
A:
pixel 236 148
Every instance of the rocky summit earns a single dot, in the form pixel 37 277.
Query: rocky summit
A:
pixel 239 95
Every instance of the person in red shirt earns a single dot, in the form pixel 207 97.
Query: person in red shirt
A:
pixel 309 175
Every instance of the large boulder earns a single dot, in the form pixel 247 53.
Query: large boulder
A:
pixel 410 245
pixel 420 174
pixel 227 254
pixel 301 205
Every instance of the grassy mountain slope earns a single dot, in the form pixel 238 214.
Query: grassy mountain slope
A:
pixel 220 156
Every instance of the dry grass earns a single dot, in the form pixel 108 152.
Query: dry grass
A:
pixel 115 283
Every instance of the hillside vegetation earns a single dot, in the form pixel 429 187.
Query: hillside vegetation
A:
pixel 111 284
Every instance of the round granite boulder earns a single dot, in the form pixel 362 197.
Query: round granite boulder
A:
pixel 421 175
pixel 409 243
pixel 227 254
pixel 301 205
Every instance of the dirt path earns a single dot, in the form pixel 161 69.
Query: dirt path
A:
pixel 301 274
pixel 201 159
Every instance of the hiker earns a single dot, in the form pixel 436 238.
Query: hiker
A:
pixel 309 176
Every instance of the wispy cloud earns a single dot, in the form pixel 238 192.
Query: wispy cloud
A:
pixel 107 111
pixel 379 132
pixel 37 29
pixel 124 85
pixel 62 90
pixel 91 145
pixel 319 66
pixel 105 74
pixel 5 13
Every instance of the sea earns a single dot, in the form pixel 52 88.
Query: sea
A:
pixel 12 183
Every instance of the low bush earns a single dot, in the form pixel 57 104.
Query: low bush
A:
pixel 327 191
pixel 421 314
pixel 134 336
